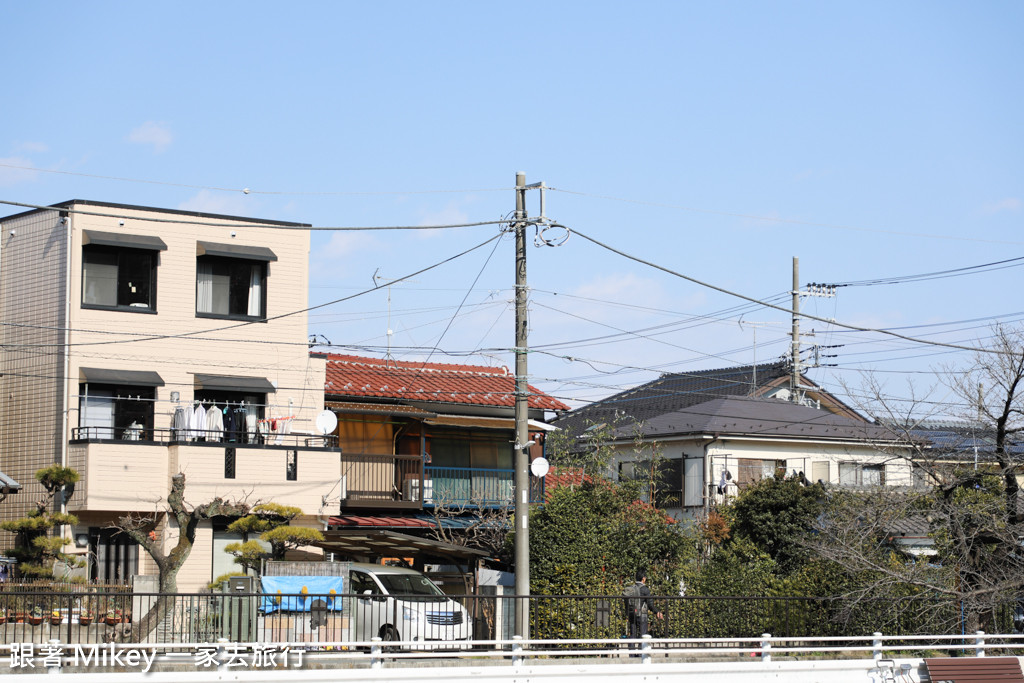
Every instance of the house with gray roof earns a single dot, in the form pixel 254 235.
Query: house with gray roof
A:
pixel 712 433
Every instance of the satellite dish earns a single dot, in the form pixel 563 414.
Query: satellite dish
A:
pixel 326 422
pixel 539 467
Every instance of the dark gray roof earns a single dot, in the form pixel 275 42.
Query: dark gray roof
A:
pixel 754 416
pixel 673 392
pixel 912 525
pixel 963 438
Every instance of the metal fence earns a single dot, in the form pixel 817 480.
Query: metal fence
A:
pixel 84 617
pixel 233 439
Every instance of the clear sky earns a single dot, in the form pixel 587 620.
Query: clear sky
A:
pixel 719 140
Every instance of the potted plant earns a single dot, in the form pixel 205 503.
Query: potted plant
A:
pixel 3 616
pixel 85 617
pixel 36 616
pixel 113 617
pixel 56 617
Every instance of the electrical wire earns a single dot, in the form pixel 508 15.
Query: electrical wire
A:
pixel 256 225
pixel 462 303
pixel 937 275
pixel 773 306
pixel 291 313
pixel 776 219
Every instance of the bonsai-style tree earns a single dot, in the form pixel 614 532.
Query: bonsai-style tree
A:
pixel 38 553
pixel 141 529
pixel 272 522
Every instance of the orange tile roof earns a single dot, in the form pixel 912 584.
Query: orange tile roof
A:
pixel 361 376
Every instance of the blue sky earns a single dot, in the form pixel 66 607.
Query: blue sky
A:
pixel 719 140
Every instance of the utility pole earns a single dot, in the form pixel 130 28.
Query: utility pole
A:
pixel 813 289
pixel 794 378
pixel 521 447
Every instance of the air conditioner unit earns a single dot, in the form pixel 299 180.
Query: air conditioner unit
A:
pixel 411 490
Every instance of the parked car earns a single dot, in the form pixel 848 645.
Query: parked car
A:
pixel 397 604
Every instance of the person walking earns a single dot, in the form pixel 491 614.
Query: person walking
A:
pixel 639 605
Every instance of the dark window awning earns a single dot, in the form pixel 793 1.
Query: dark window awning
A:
pixel 135 378
pixel 118 239
pixel 8 485
pixel 240 251
pixel 258 385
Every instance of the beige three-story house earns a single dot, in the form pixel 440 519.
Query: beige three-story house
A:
pixel 120 324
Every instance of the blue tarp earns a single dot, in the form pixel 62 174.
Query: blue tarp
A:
pixel 290 591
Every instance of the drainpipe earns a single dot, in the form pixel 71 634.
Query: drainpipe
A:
pixel 65 399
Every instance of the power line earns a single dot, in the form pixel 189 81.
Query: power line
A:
pixel 462 303
pixel 291 313
pixel 775 219
pixel 773 306
pixel 937 275
pixel 256 224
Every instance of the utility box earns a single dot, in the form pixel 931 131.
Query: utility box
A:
pixel 238 609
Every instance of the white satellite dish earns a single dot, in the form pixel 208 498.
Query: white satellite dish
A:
pixel 326 422
pixel 539 467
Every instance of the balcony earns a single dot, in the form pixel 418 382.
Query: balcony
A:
pixel 128 474
pixel 201 438
pixel 400 482
pixel 476 488
pixel 376 481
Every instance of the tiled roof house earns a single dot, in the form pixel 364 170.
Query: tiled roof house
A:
pixel 419 436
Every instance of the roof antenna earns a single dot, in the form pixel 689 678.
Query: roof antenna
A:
pixel 754 326
pixel 377 277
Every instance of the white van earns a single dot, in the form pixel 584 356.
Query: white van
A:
pixel 401 604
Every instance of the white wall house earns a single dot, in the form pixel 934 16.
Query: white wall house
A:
pixel 711 450
pixel 114 318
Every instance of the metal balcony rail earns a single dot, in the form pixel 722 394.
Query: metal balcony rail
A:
pixel 476 487
pixel 201 438
pixel 381 480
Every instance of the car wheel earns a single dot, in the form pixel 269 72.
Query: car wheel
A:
pixel 389 633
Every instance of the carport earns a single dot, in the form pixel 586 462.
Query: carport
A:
pixel 374 544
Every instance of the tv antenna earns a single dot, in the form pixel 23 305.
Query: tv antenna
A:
pixel 754 325
pixel 377 280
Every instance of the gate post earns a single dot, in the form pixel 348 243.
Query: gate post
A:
pixel 766 647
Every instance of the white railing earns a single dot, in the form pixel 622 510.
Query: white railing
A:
pixel 800 660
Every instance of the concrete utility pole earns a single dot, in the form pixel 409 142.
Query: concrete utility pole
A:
pixel 522 450
pixel 794 378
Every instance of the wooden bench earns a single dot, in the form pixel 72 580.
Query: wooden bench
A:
pixel 973 669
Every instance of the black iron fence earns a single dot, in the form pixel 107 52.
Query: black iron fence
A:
pixel 453 621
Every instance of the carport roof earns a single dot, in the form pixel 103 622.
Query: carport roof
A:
pixel 383 543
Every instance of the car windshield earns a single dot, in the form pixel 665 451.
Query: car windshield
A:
pixel 420 587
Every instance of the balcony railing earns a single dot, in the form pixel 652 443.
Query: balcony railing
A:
pixel 382 481
pixel 473 487
pixel 401 482
pixel 202 438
